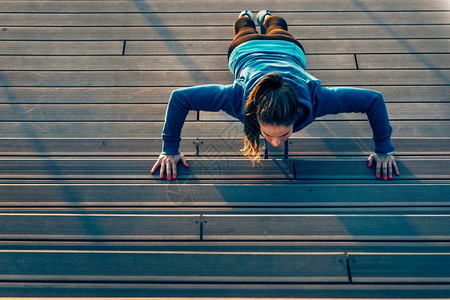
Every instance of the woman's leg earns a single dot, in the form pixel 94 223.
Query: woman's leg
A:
pixel 244 30
pixel 243 26
pixel 277 28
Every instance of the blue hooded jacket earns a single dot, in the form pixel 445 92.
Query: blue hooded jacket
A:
pixel 249 63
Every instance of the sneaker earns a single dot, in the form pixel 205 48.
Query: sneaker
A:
pixel 260 19
pixel 246 13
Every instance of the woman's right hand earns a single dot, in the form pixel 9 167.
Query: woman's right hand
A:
pixel 168 164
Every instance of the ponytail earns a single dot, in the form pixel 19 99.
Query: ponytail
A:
pixel 271 101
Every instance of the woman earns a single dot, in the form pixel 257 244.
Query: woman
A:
pixel 273 96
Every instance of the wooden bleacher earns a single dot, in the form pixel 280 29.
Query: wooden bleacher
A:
pixel 83 91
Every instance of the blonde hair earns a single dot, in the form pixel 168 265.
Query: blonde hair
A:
pixel 271 101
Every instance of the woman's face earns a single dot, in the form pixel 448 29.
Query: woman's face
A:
pixel 276 134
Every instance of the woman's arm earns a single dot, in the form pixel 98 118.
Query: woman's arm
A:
pixel 340 100
pixel 205 98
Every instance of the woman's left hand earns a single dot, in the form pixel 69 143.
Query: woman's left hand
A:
pixel 385 162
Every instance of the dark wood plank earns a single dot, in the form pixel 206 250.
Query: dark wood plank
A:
pixel 343 146
pixel 112 79
pixel 150 195
pixel 86 112
pixel 362 129
pixel 400 267
pixel 219 6
pixel 430 247
pixel 214 147
pixel 116 63
pixel 189 78
pixel 90 147
pixel 403 61
pixel 147 266
pixel 325 46
pixel 326 227
pixel 383 77
pixel 212 33
pixel 222 19
pixel 351 169
pixel 150 63
pixel 414 93
pixel 399 5
pixel 82 226
pixel 404 111
pixel 380 46
pixel 161 95
pixel 69 95
pixel 89 130
pixel 306 169
pixel 217 291
pixel 61 48
pixel 74 168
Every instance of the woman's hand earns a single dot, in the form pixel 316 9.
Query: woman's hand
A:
pixel 168 164
pixel 385 162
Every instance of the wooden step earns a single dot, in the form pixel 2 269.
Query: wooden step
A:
pixel 399 267
pixel 147 267
pixel 348 168
pixel 218 19
pixel 207 196
pixel 302 32
pixel 219 6
pixel 213 147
